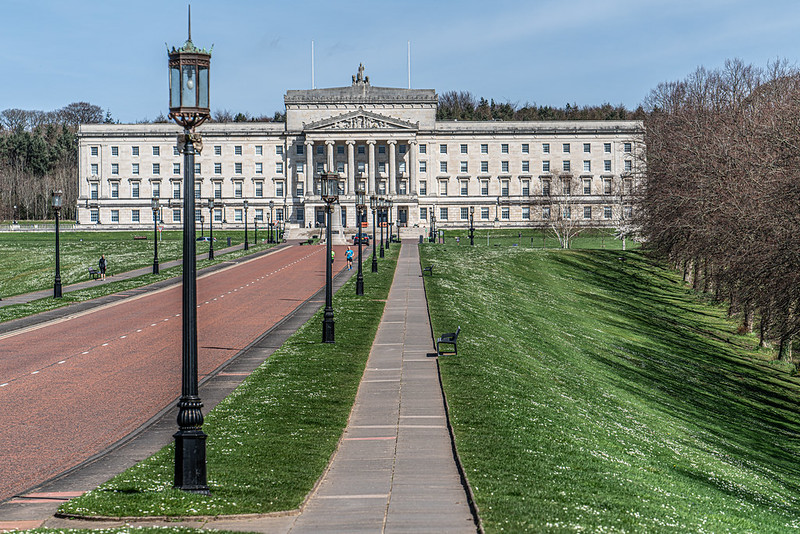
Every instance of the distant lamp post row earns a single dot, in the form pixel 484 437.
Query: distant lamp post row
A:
pixel 57 200
pixel 330 194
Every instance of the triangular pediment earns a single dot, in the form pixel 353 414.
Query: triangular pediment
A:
pixel 360 120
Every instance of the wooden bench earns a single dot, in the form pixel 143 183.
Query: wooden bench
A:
pixel 139 237
pixel 448 339
pixel 428 269
pixel 94 273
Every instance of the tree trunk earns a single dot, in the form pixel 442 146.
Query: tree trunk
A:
pixel 695 274
pixel 785 349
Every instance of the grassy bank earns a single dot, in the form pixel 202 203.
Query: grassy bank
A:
pixel 594 238
pixel 270 439
pixel 614 401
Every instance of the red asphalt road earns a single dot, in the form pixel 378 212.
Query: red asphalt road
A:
pixel 70 389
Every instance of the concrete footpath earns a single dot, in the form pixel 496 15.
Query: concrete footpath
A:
pixel 394 470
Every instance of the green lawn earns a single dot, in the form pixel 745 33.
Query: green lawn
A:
pixel 270 440
pixel 614 401
pixel 596 238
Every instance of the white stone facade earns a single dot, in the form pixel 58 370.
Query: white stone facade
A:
pixel 385 139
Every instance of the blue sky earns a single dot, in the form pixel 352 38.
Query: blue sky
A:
pixel 112 53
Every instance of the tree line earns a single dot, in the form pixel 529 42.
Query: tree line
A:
pixel 720 199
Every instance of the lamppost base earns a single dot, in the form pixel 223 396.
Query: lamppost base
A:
pixel 381 251
pixel 360 285
pixel 327 329
pixel 374 264
pixel 211 254
pixel 57 289
pixel 155 267
pixel 190 461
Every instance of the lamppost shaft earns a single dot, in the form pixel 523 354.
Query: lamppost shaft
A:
pixel 327 322
pixel 190 440
pixel 155 241
pixel 360 276
pixel 211 234
pixel 380 218
pixel 57 281
pixel 374 244
pixel 246 244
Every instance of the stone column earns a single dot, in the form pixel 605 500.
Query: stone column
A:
pixel 392 166
pixel 351 167
pixel 372 189
pixel 329 145
pixel 309 168
pixel 412 167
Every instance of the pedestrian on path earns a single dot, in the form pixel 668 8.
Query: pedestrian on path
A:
pixel 333 255
pixel 349 256
pixel 102 264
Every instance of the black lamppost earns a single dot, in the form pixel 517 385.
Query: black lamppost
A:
pixel 373 203
pixel 434 237
pixel 210 228
pixel 270 239
pixel 382 218
pixel 388 222
pixel 255 231
pixel 246 244
pixel 202 224
pixel 154 206
pixel 188 106
pixel 360 212
pixel 57 195
pixel 279 237
pixel 472 225
pixel 330 194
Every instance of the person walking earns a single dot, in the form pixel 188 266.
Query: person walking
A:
pixel 102 264
pixel 349 256
pixel 333 255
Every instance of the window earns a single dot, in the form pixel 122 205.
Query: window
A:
pixel 627 147
pixel 545 166
pixel 546 188
pixel 361 166
pixel 279 167
pixel 627 186
pixel 442 149
pixel 94 188
pixel 423 214
pixel 443 212
pixel 607 186
pixel 217 215
pixel 484 166
pixel 156 169
pixel 259 215
pixel 525 149
pixel 628 165
pixel 197 189
pixel 503 166
pixel 176 151
pixel 260 150
pixel 279 189
pixel 403 187
pixel 567 212
pixel 401 149
pixel 504 188
pixel 94 216
pixel 505 214
pixel 526 212
pixel 217 189
pixel 278 150
pixel 423 166
pixel 382 187
pixel 198 168
pixel 157 189
pixel 218 168
pixel 504 148
pixel 587 166
pixel 320 167
pixel 381 166
pixel 443 188
pixel 423 149
pixel 299 189
pixel 362 149
pixel 442 166
pixel 237 215
pixel 607 165
pixel 176 168
pixel 114 189
pixel 464 167
pixel 320 150
pixel 464 188
pixel 526 188
pixel 423 187
pixel 299 150
pixel 587 186
pixel 134 151
pixel 607 212
pixel 115 168
pixel 134 189
pixel 217 150
pixel 259 168
pixel 484 148
pixel 526 166
pixel 134 168
pixel 485 188
pixel 464 214
pixel 587 148
pixel 134 215
pixel 463 149
pixel 300 166
pixel 627 212
pixel 237 168
pixel 565 148
pixel 401 167
pixel 237 189
pixel 607 148
pixel 545 212
pixel 587 212
pixel 95 169
pixel 176 215
pixel 340 149
pixel 176 190
pixel 156 151
pixel 545 148
pixel 485 214
pixel 259 189
pixel 566 186
pixel 565 166
pixel 115 151
pixel 94 150
pixel 237 150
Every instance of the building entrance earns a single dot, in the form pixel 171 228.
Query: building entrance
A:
pixel 402 216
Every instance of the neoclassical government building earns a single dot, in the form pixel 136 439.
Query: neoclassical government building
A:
pixel 385 140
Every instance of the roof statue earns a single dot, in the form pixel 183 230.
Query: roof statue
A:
pixel 360 79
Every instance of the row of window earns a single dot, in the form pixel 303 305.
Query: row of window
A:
pixel 505 212
pixel 176 168
pixel 566 187
pixel 94 150
pixel 258 215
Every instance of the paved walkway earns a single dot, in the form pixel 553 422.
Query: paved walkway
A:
pixel 394 470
